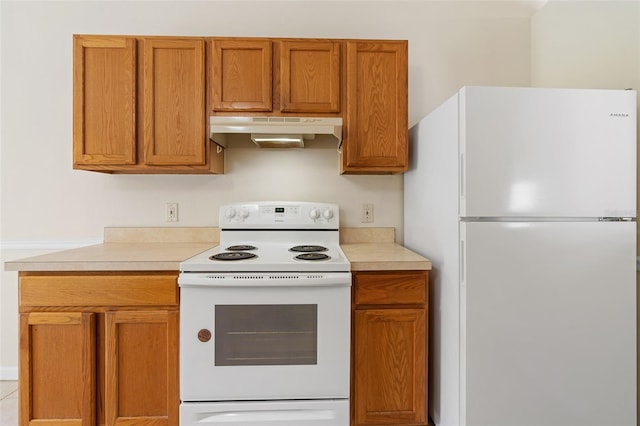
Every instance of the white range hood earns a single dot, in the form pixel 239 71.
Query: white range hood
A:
pixel 275 132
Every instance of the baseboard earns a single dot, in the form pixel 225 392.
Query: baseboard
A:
pixel 8 373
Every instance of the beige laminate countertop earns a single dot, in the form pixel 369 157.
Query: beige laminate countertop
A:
pixel 113 257
pixel 383 257
pixel 123 254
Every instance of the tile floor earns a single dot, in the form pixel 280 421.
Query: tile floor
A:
pixel 8 403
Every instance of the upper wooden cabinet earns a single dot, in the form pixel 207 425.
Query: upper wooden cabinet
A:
pixel 241 74
pixel 275 76
pixel 142 116
pixel 310 76
pixel 175 120
pixel 375 135
pixel 104 100
pixel 141 104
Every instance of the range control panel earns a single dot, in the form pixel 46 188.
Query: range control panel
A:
pixel 279 215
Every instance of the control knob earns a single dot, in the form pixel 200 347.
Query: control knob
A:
pixel 230 213
pixel 314 213
pixel 327 214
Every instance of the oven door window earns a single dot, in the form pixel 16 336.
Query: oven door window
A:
pixel 266 335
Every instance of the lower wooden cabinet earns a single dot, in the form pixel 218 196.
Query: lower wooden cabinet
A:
pixel 389 354
pixel 141 367
pixel 86 362
pixel 57 368
pixel 103 349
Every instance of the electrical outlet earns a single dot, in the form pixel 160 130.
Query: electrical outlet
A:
pixel 367 213
pixel 172 212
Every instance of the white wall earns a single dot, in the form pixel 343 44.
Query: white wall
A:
pixel 586 44
pixel 451 43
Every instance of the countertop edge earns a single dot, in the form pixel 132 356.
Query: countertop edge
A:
pixel 94 266
pixel 101 258
pixel 390 266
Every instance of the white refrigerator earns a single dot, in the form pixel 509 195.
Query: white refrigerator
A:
pixel 524 199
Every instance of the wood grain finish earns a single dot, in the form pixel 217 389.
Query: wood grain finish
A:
pixel 57 369
pixel 241 74
pixel 140 106
pixel 98 349
pixel 141 355
pixel 276 76
pixel 310 76
pixel 104 100
pixel 390 365
pixel 151 115
pixel 175 121
pixel 389 353
pixel 97 290
pixel 376 132
pixel 390 288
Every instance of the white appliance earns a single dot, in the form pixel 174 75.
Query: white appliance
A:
pixel 524 199
pixel 265 320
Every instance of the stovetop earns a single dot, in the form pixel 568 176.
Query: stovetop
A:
pixel 274 237
pixel 269 257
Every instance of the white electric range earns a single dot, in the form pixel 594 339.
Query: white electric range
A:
pixel 265 320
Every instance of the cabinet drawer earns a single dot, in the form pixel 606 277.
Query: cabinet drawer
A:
pixel 109 289
pixel 390 288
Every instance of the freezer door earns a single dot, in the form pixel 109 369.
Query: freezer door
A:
pixel 528 152
pixel 548 324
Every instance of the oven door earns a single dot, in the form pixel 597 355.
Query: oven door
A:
pixel 253 340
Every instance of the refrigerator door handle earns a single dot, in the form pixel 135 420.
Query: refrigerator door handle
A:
pixel 461 175
pixel 462 277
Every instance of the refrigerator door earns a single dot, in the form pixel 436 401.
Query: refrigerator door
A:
pixel 528 152
pixel 548 324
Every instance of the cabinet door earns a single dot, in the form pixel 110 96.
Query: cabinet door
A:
pixel 375 132
pixel 57 368
pixel 241 75
pixel 141 368
pixel 310 76
pixel 104 100
pixel 175 122
pixel 390 367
